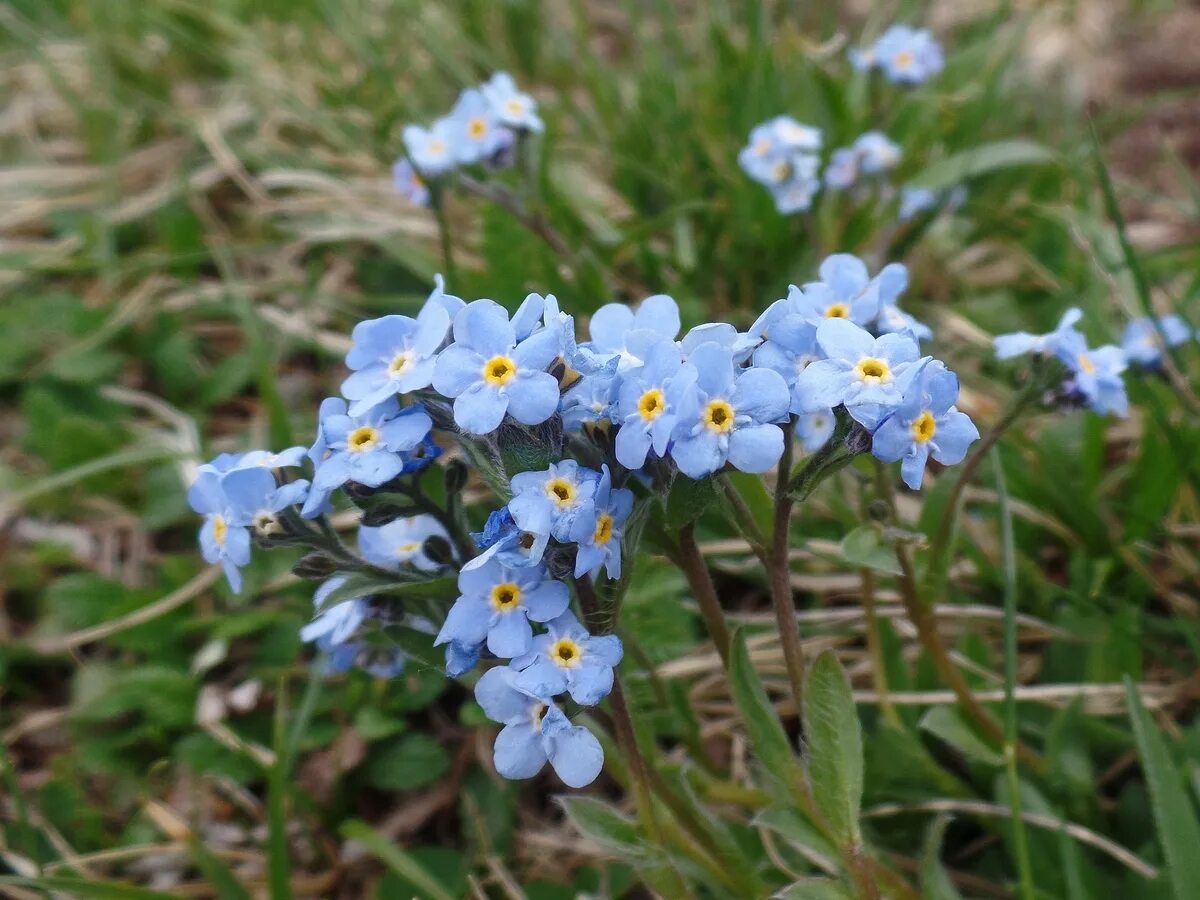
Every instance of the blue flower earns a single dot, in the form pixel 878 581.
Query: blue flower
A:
pixel 777 148
pixel 908 55
pixel 862 59
pixel 599 534
pixel 569 659
pixel 1019 343
pixel 589 401
pixel 318 503
pixel 254 459
pixel 509 105
pixel 401 542
pixel 925 424
pixel 914 201
pixel 432 150
pixel 393 355
pixel 461 658
pixel 336 625
pixel 791 346
pixel 858 371
pixel 647 403
pixel 893 320
pixel 815 429
pixel 227 503
pixel 548 502
pixel 408 183
pixel 729 416
pixel 503 539
pixel 1096 375
pixel 478 134
pixel 847 290
pixel 1142 342
pixel 498 603
pixel 618 331
pixel 536 730
pixel 796 193
pixel 367 449
pixel 876 153
pixel 489 374
pixel 841 171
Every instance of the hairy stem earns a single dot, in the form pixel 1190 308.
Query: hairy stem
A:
pixel 780 572
pixel 743 518
pixel 696 571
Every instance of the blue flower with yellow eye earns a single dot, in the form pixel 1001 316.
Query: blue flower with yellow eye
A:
pixel 729 415
pixel 842 169
pixel 548 502
pixel 569 659
pixel 254 459
pixel 846 290
pixel 647 403
pixel 478 134
pixel 599 534
pixel 1142 340
pixel 393 355
pixel 432 150
pixel 509 544
pixel 876 152
pixel 510 106
pixel 814 429
pixel 789 349
pixel 1019 343
pixel 489 374
pixel 408 183
pixel 497 604
pixel 925 424
pixel 536 732
pixel 589 401
pixel 401 542
pixel 224 537
pixel 1096 375
pixel 796 193
pixel 858 370
pixel 368 449
pixel 908 55
pixel 628 334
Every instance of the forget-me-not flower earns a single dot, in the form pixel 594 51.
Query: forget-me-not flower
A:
pixel 1019 343
pixel 789 349
pixel 548 502
pixel 925 424
pixel 508 543
pixel 647 403
pixel 431 150
pixel 876 152
pixel 589 401
pixel 599 534
pixel 368 448
pixel 859 370
pixel 908 55
pixel 393 355
pixel 489 374
pixel 408 183
pixel 1096 375
pixel 616 330
pixel 569 659
pixel 478 134
pixel 498 603
pixel 401 542
pixel 729 415
pixel 814 429
pixel 337 624
pixel 536 731
pixel 1142 341
pixel 228 503
pixel 510 106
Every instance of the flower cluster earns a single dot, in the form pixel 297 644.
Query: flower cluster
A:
pixel 783 155
pixel 482 127
pixel 906 55
pixel 871 154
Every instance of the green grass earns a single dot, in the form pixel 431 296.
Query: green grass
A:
pixel 196 211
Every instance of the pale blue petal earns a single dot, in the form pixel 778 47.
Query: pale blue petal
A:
pixel 480 409
pixel 698 456
pixel 501 701
pixel 466 622
pixel 714 367
pixel 660 314
pixel 538 350
pixel 608 326
pixel 591 683
pixel 842 339
pixel 533 397
pixel 518 752
pixel 457 369
pixel 845 273
pixel 822 385
pixel 546 601
pixel 607 648
pixel 576 756
pixel 761 394
pixel 510 634
pixel 373 469
pixel 633 443
pixel 892 439
pixel 955 434
pixel 541 679
pixel 755 448
pixel 912 469
pixel 483 326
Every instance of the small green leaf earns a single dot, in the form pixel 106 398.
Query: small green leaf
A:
pixel 411 761
pixel 835 753
pixel 603 824
pixel 1174 813
pixel 763 727
pixel 865 548
pixel 946 724
pixel 955 169
pixel 935 882
pixel 688 500
pixel 399 861
pixel 787 821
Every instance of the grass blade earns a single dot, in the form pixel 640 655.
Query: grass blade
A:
pixel 400 862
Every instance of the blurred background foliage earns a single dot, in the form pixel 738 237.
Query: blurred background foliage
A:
pixel 195 208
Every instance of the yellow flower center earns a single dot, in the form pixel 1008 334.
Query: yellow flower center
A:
pixel 505 596
pixel 566 653
pixel 923 427
pixel 561 491
pixel 780 171
pixel 903 59
pixel 873 371
pixel 718 415
pixel 652 404
pixel 837 311
pixel 407 549
pixel 362 439
pixel 399 364
pixel 220 529
pixel 437 148
pixel 1086 364
pixel 499 370
pixel 762 147
pixel 477 128
pixel 604 529
pixel 514 106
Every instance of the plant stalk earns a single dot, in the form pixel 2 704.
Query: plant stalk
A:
pixel 695 570
pixel 782 597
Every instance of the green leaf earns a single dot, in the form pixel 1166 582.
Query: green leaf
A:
pixel 219 875
pixel 945 723
pixel 957 168
pixel 688 500
pixel 1174 813
pixel 786 820
pixel 935 882
pixel 411 761
pixel 815 889
pixel 86 889
pixel 400 862
pixel 865 548
pixel 603 824
pixel 763 727
pixel 835 753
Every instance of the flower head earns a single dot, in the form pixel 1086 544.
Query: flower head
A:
pixel 478 132
pixel 925 424
pixel 489 374
pixel 729 415
pixel 1096 375
pixel 408 183
pixel 858 371
pixel 431 150
pixel 1019 343
pixel 401 542
pixel 876 152
pixel 627 334
pixel 510 106
pixel 908 55
pixel 599 534
pixel 548 502
pixel 814 429
pixel 648 402
pixel 497 604
pixel 536 731
pixel 393 355
pixel 368 448
pixel 503 539
pixel 1142 340
pixel 569 659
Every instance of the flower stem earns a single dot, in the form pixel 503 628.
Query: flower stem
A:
pixel 780 572
pixel 439 211
pixel 696 572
